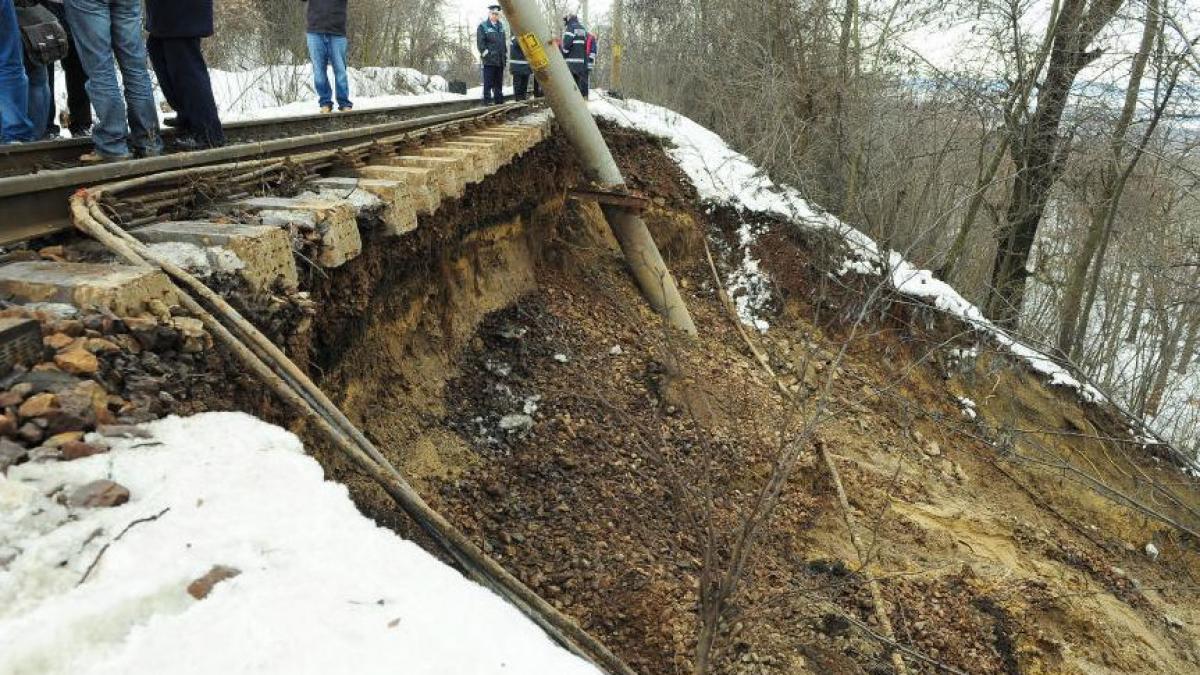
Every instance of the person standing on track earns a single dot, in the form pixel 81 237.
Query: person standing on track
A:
pixel 78 115
pixel 108 34
pixel 518 65
pixel 575 51
pixel 492 46
pixel 15 126
pixel 176 29
pixel 327 46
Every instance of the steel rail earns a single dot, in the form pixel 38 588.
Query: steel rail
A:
pixel 24 158
pixel 37 205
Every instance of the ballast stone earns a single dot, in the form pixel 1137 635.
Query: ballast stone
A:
pixel 265 251
pixel 334 221
pixel 124 290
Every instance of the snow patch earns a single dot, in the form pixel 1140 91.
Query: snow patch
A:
pixel 321 589
pixel 968 407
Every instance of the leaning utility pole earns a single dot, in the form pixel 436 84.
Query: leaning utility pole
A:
pixel 618 45
pixel 587 19
pixel 577 123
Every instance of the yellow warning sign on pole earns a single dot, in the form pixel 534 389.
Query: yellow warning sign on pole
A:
pixel 534 52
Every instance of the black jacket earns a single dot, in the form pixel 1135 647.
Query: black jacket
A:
pixel 179 18
pixel 491 43
pixel 574 46
pixel 517 63
pixel 326 16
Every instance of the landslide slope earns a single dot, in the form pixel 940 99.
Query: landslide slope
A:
pixel 614 467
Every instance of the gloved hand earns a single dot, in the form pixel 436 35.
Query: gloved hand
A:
pixel 484 53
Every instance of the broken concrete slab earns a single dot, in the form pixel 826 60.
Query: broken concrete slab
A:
pixel 399 213
pixel 334 221
pixel 424 191
pixel 473 167
pixel 124 290
pixel 452 180
pixel 264 251
pixel 490 155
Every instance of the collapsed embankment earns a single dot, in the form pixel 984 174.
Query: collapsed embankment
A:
pixel 503 359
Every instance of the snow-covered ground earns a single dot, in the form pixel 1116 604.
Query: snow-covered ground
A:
pixel 286 90
pixel 277 91
pixel 321 589
pixel 724 176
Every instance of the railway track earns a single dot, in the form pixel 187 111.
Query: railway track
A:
pixel 216 204
pixel 26 158
pixel 37 179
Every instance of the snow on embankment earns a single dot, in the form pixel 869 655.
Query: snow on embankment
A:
pixel 318 588
pixel 283 90
pixel 724 176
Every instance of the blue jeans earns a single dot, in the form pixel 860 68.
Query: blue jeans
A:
pixel 14 85
pixel 326 49
pixel 39 95
pixel 108 34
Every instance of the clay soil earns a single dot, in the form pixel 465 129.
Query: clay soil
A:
pixel 510 366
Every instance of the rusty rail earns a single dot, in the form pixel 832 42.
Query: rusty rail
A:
pixel 36 205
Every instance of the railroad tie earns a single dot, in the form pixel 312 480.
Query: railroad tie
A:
pixel 423 185
pixel 261 254
pixel 449 172
pixel 333 223
pixel 399 212
pixel 124 290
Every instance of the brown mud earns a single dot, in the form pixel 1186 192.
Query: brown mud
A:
pixel 502 357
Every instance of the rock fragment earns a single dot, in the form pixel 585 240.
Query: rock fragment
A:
pixel 99 494
pixel 10 453
pixel 73 450
pixel 77 361
pixel 200 588
pixel 40 405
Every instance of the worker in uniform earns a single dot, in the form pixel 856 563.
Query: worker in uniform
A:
pixel 492 46
pixel 575 51
pixel 176 29
pixel 518 65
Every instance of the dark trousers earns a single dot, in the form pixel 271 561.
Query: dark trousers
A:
pixel 521 85
pixel 493 84
pixel 183 78
pixel 581 81
pixel 79 106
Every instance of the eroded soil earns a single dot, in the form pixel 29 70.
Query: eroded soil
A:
pixel 507 362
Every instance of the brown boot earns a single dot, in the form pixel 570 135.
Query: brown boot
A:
pixel 94 157
pixel 326 109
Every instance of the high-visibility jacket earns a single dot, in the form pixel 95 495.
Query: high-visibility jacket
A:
pixel 574 46
pixel 517 63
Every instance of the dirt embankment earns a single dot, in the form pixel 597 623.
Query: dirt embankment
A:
pixel 505 360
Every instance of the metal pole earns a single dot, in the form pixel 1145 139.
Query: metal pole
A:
pixel 618 46
pixel 573 116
